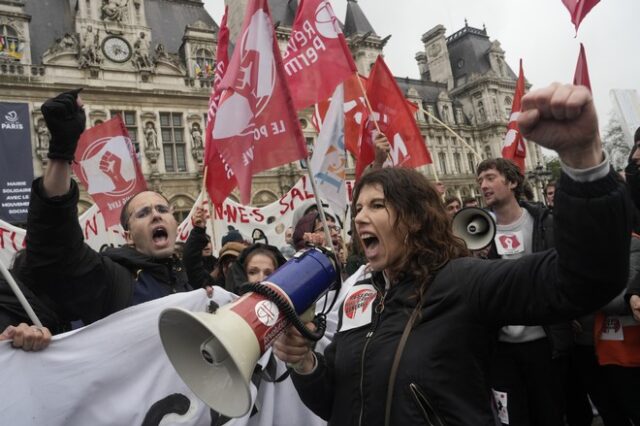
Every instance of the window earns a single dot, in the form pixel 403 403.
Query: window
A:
pixel 131 123
pixel 457 161
pixel 439 138
pixel 173 144
pixel 442 158
pixel 471 159
pixel 10 45
pixel 204 63
pixel 507 107
pixel 487 152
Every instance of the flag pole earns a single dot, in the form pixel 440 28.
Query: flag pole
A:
pixel 211 205
pixel 473 151
pixel 366 101
pixel 23 300
pixel 323 218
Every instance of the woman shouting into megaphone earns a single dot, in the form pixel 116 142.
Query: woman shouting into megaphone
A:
pixel 414 340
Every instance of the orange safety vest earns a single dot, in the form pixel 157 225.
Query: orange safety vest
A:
pixel 617 340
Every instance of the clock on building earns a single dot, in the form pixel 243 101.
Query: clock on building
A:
pixel 116 49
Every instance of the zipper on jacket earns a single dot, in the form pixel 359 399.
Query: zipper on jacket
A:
pixel 428 411
pixel 374 324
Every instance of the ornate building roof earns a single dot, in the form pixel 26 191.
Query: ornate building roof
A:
pixel 168 19
pixel 50 20
pixel 356 22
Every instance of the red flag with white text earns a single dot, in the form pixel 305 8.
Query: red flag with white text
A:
pixel 108 167
pixel 317 58
pixel 220 179
pixel 579 9
pixel 395 119
pixel 513 146
pixel 581 76
pixel 256 126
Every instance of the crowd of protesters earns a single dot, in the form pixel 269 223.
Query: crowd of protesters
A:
pixel 544 330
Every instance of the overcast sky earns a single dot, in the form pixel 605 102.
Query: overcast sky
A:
pixel 538 31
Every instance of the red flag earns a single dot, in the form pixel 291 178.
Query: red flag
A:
pixel 355 109
pixel 108 167
pixel 317 58
pixel 579 9
pixel 581 76
pixel 395 119
pixel 256 126
pixel 220 179
pixel 513 147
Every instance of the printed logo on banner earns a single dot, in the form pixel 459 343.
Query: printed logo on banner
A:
pixel 326 21
pixel 358 307
pixel 257 71
pixel 12 122
pixel 108 167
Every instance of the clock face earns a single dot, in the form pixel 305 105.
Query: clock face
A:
pixel 116 49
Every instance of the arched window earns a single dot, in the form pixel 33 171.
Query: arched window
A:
pixel 181 207
pixel 10 45
pixel 263 198
pixel 507 106
pixel 204 63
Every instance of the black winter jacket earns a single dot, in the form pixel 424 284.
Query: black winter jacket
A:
pixel 198 268
pixel 443 372
pixel 82 283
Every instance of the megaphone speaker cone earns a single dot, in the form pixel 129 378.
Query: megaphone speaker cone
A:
pixel 214 354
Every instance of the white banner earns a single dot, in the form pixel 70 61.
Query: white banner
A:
pixel 96 235
pixel 113 371
pixel 272 219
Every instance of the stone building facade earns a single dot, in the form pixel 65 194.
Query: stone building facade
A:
pixel 151 61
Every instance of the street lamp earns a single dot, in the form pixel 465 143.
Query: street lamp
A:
pixel 539 175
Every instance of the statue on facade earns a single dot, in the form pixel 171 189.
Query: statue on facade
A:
pixel 196 136
pixel 43 135
pixel 151 136
pixel 114 10
pixel 141 58
pixel 89 48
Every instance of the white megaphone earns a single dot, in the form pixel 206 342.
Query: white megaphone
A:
pixel 475 226
pixel 215 353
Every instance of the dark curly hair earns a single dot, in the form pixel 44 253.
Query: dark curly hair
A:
pixel 430 243
pixel 508 169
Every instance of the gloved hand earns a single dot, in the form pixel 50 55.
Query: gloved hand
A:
pixel 66 122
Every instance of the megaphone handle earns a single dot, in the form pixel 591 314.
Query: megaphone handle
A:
pixel 307 316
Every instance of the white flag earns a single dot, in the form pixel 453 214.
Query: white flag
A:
pixel 329 158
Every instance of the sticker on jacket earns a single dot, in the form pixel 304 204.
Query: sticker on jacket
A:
pixel 358 307
pixel 501 399
pixel 509 243
pixel 613 327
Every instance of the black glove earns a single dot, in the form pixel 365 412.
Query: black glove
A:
pixel 66 122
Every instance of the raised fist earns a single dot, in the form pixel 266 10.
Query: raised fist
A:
pixel 111 165
pixel 66 121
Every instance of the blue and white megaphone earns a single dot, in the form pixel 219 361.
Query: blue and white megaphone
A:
pixel 215 353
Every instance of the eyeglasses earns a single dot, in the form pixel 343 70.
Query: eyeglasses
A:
pixel 331 228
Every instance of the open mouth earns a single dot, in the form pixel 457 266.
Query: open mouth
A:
pixel 371 244
pixel 159 235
